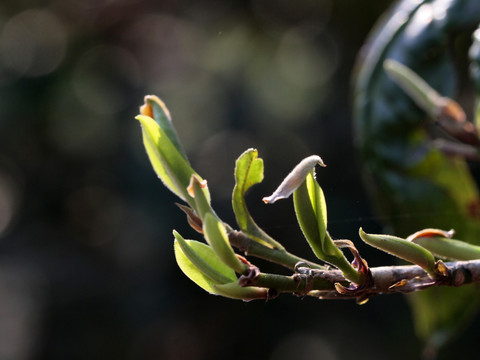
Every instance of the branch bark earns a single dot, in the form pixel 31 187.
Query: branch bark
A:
pixel 320 281
pixel 386 280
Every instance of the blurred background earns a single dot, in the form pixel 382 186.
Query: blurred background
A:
pixel 87 269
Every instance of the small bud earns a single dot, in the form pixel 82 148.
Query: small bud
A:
pixel 193 219
pixel 441 269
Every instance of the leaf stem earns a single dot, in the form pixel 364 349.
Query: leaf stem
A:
pixel 293 284
pixel 279 256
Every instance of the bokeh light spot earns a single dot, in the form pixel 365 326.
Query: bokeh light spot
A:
pixel 32 43
pixel 303 346
pixel 8 200
pixel 75 128
pixel 305 62
pixel 100 77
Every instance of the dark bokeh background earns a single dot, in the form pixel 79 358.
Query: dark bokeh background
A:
pixel 87 269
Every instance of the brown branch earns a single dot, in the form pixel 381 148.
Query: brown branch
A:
pixel 400 279
pixel 323 282
pixel 386 280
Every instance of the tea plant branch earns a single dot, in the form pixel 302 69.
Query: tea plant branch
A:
pixel 386 280
pixel 214 265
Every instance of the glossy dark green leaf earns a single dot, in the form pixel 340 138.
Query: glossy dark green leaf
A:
pixel 405 174
pixel 446 113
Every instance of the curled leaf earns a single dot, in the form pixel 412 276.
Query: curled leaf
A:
pixel 311 211
pixel 294 179
pixel 248 172
pixel 403 249
pixel 198 190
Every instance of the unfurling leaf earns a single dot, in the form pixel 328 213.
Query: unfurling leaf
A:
pixel 294 179
pixel 311 212
pixel 248 172
pixel 403 249
pixel 217 237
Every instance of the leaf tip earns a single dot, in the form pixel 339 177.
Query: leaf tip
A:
pixel 195 179
pixel 269 199
pixel 361 232
pixel 146 108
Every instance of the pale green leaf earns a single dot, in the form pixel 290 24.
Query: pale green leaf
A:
pixel 169 164
pixel 217 237
pixel 156 109
pixel 204 268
